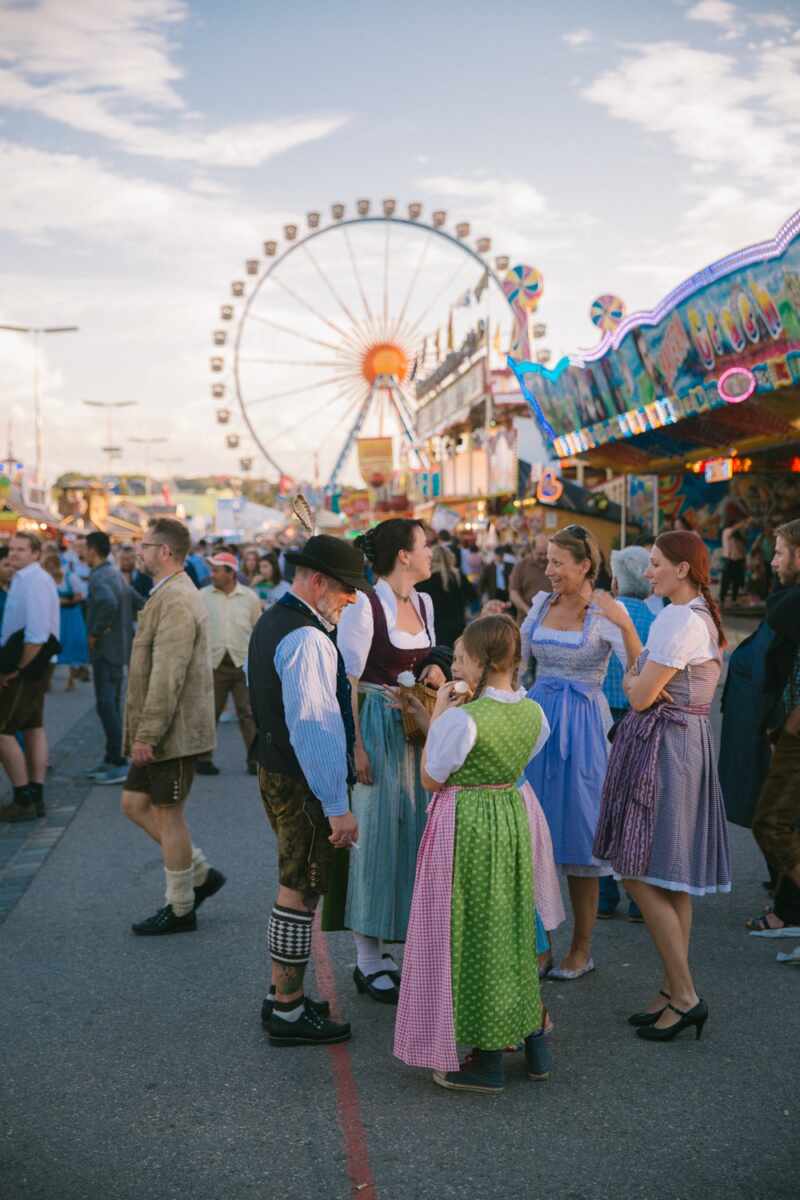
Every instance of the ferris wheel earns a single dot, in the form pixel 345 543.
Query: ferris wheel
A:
pixel 321 341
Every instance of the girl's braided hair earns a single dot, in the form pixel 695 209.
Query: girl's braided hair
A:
pixel 495 643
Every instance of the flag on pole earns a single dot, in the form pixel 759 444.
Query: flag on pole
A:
pixel 424 354
pixel 497 345
pixel 414 365
pixel 437 346
pixel 464 300
pixel 450 333
pixel 483 283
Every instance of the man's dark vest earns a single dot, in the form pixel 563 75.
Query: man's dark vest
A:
pixel 274 749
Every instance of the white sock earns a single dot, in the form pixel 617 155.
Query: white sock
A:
pixel 368 956
pixel 199 867
pixel 291 1014
pixel 385 954
pixel 180 891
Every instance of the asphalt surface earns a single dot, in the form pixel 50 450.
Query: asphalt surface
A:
pixel 136 1068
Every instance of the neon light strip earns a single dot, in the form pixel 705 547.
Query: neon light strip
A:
pixel 724 266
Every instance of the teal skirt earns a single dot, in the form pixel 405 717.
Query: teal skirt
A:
pixel 391 816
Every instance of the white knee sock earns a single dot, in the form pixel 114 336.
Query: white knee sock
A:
pixel 180 891
pixel 369 959
pixel 199 866
pixel 386 955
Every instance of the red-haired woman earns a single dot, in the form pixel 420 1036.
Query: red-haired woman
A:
pixel 662 822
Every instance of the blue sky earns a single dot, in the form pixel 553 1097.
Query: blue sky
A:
pixel 149 146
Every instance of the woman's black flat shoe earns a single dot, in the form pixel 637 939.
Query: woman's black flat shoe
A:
pixel 641 1019
pixel 694 1017
pixel 365 983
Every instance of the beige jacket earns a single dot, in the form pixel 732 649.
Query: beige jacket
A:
pixel 170 702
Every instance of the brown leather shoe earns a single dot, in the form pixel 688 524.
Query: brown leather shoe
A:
pixel 18 812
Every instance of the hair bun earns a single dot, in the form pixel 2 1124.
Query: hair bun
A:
pixel 366 544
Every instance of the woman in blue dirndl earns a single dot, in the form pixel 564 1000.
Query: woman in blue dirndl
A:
pixel 571 633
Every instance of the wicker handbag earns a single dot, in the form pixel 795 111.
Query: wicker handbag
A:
pixel 427 697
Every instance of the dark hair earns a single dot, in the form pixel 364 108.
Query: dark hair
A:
pixel 382 544
pixel 789 533
pixel 681 546
pixel 495 643
pixel 581 544
pixel 276 566
pixel 100 542
pixel 33 541
pixel 173 534
pixel 3 552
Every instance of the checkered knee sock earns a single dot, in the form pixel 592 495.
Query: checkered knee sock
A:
pixel 289 936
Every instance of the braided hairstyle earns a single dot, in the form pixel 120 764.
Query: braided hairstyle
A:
pixel 495 643
pixel 382 544
pixel 680 546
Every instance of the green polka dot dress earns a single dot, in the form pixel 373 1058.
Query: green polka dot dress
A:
pixel 495 978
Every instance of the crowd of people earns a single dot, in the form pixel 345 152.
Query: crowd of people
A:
pixel 437 740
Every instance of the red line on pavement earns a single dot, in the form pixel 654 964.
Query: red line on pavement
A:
pixel 347 1102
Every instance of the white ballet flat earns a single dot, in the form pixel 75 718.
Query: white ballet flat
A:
pixel 565 973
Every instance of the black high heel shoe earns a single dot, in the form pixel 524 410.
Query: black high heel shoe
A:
pixel 696 1017
pixel 365 983
pixel 641 1019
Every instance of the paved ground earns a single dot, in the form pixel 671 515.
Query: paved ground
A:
pixel 138 1069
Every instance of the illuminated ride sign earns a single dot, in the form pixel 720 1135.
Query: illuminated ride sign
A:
pixel 728 333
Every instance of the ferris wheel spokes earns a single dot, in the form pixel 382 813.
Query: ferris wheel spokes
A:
pixel 399 323
pixel 351 391
pixel 386 278
pixel 356 343
pixel 359 284
pixel 355 324
pixel 448 287
pixel 352 434
pixel 297 391
pixel 294 332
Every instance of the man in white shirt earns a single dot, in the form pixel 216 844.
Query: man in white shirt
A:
pixel 31 619
pixel 233 611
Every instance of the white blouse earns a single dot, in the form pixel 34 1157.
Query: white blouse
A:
pixel 679 637
pixel 608 631
pixel 452 736
pixel 356 627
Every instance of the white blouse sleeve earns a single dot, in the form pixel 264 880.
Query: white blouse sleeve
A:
pixel 677 637
pixel 544 734
pixel 450 739
pixel 354 635
pixel 427 604
pixel 612 635
pixel 526 630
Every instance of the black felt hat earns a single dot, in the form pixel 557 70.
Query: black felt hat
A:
pixel 335 557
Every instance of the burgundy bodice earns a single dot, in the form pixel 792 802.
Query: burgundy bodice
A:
pixel 385 661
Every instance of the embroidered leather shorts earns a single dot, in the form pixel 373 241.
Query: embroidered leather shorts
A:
pixel 167 783
pixel 305 855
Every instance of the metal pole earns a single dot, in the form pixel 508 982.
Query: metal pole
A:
pixel 655 506
pixel 623 533
pixel 489 415
pixel 37 412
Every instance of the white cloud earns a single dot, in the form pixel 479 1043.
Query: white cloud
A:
pixel 101 65
pixel 716 12
pixel 711 110
pixel 578 37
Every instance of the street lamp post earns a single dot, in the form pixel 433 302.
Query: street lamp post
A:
pixel 148 442
pixel 36 331
pixel 109 405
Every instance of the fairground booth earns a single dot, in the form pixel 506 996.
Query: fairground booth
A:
pixel 694 406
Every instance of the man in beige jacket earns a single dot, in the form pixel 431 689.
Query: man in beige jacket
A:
pixel 169 721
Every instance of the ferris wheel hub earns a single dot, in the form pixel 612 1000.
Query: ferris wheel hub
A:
pixel 384 358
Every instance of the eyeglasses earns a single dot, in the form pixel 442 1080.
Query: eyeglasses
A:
pixel 145 545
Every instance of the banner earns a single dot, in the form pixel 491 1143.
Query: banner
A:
pixel 375 460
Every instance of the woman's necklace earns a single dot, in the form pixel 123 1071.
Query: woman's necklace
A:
pixel 400 596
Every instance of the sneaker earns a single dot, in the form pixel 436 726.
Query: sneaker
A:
pixel 479 1073
pixel 111 774
pixel 310 1030
pixel 205 767
pixel 214 880
pixel 98 770
pixel 321 1007
pixel 165 921
pixel 18 812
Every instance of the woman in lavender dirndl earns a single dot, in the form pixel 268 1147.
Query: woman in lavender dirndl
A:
pixel 662 825
pixel 571 633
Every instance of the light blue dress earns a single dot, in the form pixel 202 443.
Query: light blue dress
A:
pixel 568 775
pixel 72 634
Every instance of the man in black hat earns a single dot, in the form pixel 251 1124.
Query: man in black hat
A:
pixel 301 703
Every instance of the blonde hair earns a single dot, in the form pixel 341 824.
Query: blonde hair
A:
pixel 443 561
pixel 790 532
pixel 582 545
pixel 495 643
